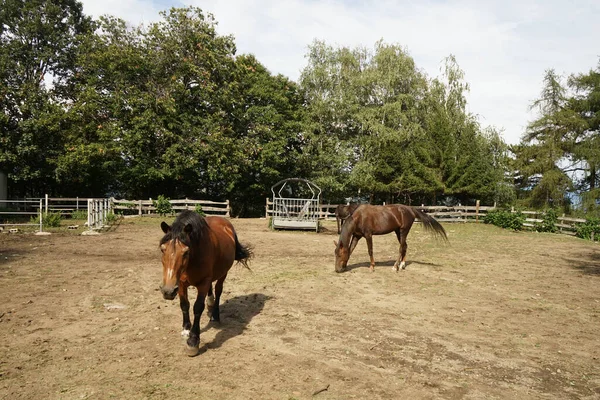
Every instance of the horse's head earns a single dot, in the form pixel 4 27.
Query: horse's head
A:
pixel 175 257
pixel 342 254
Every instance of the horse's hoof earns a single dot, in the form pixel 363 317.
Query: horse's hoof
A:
pixel 192 351
pixel 403 265
pixel 185 333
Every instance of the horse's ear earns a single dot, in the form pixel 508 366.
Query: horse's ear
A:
pixel 165 227
pixel 188 229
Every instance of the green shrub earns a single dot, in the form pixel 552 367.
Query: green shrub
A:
pixel 79 214
pixel 49 220
pixel 591 226
pixel 548 223
pixel 163 205
pixel 505 219
pixel 199 210
pixel 111 218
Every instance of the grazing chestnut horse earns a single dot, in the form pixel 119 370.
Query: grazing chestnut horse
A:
pixel 197 251
pixel 342 212
pixel 368 220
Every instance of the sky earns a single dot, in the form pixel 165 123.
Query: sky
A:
pixel 504 47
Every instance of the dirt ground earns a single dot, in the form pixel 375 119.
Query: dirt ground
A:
pixel 491 315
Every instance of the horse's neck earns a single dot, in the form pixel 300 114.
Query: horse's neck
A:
pixel 347 230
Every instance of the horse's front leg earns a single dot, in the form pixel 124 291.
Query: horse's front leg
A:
pixel 193 342
pixel 184 303
pixel 353 244
pixel 369 239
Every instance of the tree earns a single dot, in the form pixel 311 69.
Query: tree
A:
pixel 546 145
pixel 390 132
pixel 586 103
pixel 267 121
pixel 38 39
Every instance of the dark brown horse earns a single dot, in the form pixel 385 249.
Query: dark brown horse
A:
pixel 197 251
pixel 368 220
pixel 342 212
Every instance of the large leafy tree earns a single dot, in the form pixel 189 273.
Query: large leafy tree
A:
pixel 267 120
pixel 151 105
pixel 38 39
pixel 387 131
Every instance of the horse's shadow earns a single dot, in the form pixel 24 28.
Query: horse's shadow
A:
pixel 236 314
pixel 389 263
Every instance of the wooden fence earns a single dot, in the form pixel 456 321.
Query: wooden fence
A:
pixel 476 213
pixel 566 225
pixel 441 213
pixel 145 207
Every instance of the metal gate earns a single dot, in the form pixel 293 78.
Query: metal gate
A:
pixel 292 206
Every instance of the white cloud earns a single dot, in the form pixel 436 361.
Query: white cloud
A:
pixel 504 47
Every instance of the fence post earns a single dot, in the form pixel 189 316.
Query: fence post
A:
pixel 267 208
pixel 228 209
pixel 46 203
pixel 90 211
pixel 477 212
pixel 77 206
pixel 41 225
pixel 140 209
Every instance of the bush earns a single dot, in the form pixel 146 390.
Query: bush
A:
pixel 591 226
pixel 505 219
pixel 548 223
pixel 111 218
pixel 198 209
pixel 49 220
pixel 163 205
pixel 79 214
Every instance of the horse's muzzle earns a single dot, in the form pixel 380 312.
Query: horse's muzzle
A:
pixel 169 293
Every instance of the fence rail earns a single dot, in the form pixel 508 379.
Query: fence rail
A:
pixel 145 207
pixel 20 211
pixel 566 225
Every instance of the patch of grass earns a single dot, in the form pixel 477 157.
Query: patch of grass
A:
pixel 79 214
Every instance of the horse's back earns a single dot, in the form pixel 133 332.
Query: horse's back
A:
pixel 224 241
pixel 379 220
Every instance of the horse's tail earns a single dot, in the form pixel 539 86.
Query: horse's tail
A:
pixel 243 253
pixel 430 224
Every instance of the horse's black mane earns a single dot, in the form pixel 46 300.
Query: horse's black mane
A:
pixel 196 221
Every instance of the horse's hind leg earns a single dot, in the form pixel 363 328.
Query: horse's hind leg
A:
pixel 218 290
pixel 184 303
pixel 401 261
pixel 210 302
pixel 369 239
